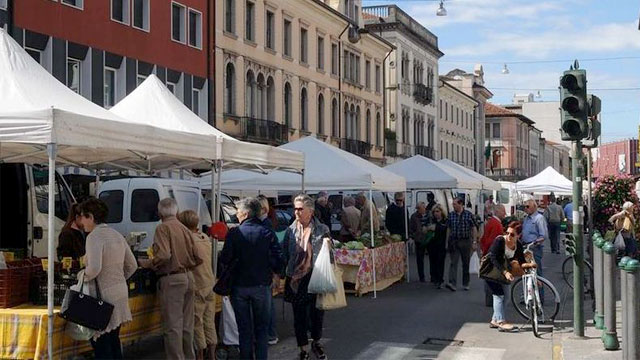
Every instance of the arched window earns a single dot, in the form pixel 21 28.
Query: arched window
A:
pixel 261 98
pixel 304 110
pixel 367 127
pixel 378 130
pixel 287 104
pixel 347 121
pixel 250 95
pixel 271 99
pixel 357 124
pixel 320 114
pixel 230 90
pixel 334 118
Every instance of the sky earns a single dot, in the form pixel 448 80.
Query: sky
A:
pixel 495 32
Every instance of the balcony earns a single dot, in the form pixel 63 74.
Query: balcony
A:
pixel 504 174
pixel 390 147
pixel 406 150
pixel 425 151
pixel 263 131
pixel 392 15
pixel 423 94
pixel 356 147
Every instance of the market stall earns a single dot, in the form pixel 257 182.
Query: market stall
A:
pixel 547 181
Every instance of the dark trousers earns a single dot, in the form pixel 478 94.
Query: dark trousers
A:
pixel 420 250
pixel 306 318
pixel 554 234
pixel 461 249
pixel 437 255
pixel 108 345
pixel 252 306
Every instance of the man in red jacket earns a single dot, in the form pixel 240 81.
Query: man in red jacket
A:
pixel 493 228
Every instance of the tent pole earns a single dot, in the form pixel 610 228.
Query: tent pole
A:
pixel 406 232
pixel 51 151
pixel 302 180
pixel 219 188
pixel 373 250
pixel 214 241
pixel 97 183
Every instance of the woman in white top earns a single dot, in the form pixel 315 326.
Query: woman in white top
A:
pixel 110 263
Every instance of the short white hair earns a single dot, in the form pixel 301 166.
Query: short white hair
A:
pixel 627 205
pixel 167 207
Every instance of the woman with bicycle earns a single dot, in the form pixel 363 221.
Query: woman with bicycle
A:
pixel 507 257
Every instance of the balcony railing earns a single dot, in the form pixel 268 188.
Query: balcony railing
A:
pixel 423 94
pixel 506 174
pixel 390 147
pixel 263 131
pixel 425 151
pixel 356 147
pixel 406 150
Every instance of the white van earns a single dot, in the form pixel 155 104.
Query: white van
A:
pixel 133 204
pixel 24 194
pixel 444 197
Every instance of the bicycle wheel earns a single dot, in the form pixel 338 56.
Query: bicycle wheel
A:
pixel 549 297
pixel 534 318
pixel 567 274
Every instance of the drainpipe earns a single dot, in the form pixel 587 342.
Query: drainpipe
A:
pixel 384 100
pixel 340 79
pixel 211 103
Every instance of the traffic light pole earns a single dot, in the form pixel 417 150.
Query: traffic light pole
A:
pixel 578 257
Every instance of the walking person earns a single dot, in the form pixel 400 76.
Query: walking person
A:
pixel 554 214
pixel 492 229
pixel 350 220
pixel 534 229
pixel 503 252
pixel 302 243
pixel 253 252
pixel 462 236
pixel 110 262
pixel 266 221
pixel 418 230
pixel 437 247
pixel 204 327
pixel 174 258
pixel 624 222
pixel 396 216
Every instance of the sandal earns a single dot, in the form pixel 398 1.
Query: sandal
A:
pixel 505 326
pixel 493 325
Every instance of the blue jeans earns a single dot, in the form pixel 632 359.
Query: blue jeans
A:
pixel 537 255
pixel 497 291
pixel 273 334
pixel 251 306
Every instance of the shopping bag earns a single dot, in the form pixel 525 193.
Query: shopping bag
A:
pixel 489 272
pixel 323 279
pixel 474 264
pixel 230 334
pixel 336 300
pixel 85 310
pixel 73 330
pixel 619 241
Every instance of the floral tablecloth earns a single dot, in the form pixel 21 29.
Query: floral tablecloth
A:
pixel 390 263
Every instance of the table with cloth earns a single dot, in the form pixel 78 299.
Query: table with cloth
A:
pixel 23 329
pixel 357 266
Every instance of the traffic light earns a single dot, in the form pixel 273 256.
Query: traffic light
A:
pixel 591 141
pixel 574 107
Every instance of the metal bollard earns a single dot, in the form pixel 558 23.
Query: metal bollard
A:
pixel 631 343
pixel 609 335
pixel 624 299
pixel 598 318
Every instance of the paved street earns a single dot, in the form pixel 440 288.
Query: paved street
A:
pixel 417 321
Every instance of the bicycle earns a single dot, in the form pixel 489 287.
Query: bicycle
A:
pixel 531 303
pixel 567 273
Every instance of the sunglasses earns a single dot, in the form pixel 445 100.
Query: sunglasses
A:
pixel 511 234
pixel 399 200
pixel 527 206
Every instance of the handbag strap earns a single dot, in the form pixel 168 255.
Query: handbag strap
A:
pixel 98 296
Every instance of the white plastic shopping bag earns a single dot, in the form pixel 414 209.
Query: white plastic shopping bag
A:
pixel 323 279
pixel 474 263
pixel 230 334
pixel 619 241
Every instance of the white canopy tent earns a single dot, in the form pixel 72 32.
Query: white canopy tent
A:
pixel 44 122
pixel 547 181
pixel 486 183
pixel 326 168
pixel 423 173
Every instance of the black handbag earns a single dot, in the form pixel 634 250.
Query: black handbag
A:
pixel 85 310
pixel 489 272
pixel 223 285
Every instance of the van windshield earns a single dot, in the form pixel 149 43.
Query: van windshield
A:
pixel 115 201
pixel 41 187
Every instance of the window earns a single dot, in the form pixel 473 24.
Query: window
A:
pixel 357 73
pixel 114 199
pixel 271 99
pixel 195 101
pixel 195 28
pixel 287 104
pixel 178 13
pixel 440 108
pixel 109 87
pixel 496 131
pixel 249 21
pixel 334 118
pixel 120 11
pixel 144 205
pixel 378 78
pixel 3 4
pixel 367 74
pixel 140 79
pixel 230 89
pixel 74 3
pixel 378 130
pixel 367 127
pixel 287 38
pixel 304 116
pixel 172 87
pixel 334 59
pixel 61 195
pixel 270 41
pixel 141 14
pixel 304 46
pixel 229 16
pixel 320 53
pixel 487 130
pixel 250 95
pixel 73 74
pixel 321 114
pixel 34 53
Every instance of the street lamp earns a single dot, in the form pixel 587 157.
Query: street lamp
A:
pixel 441 10
pixel 505 70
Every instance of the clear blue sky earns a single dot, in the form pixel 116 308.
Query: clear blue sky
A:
pixel 493 32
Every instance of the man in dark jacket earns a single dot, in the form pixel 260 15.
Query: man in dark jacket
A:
pixel 323 211
pixel 257 255
pixel 396 216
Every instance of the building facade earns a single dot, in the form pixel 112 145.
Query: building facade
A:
pixel 456 111
pixel 299 68
pixel 616 158
pixel 557 156
pixel 411 75
pixel 104 49
pixel 473 85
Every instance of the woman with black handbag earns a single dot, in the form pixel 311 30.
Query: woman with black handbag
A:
pixel 110 263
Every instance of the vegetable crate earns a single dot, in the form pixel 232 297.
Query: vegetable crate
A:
pixel 14 284
pixel 38 293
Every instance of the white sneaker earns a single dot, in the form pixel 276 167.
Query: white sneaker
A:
pixel 273 341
